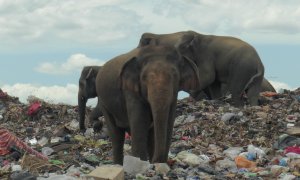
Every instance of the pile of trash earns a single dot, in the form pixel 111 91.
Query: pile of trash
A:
pixel 211 140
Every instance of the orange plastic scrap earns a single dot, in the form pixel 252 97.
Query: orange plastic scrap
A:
pixel 242 162
pixel 268 94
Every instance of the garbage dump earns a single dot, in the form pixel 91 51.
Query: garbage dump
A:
pixel 211 140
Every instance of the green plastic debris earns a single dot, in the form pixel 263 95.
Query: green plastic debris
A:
pixel 79 138
pixel 92 159
pixel 56 162
pixel 250 174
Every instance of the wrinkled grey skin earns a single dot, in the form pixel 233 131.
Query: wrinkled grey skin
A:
pixel 267 86
pixel 199 95
pixel 138 94
pixel 220 60
pixel 87 90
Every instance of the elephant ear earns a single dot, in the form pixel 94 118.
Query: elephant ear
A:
pixel 129 76
pixel 147 39
pixel 190 77
pixel 185 41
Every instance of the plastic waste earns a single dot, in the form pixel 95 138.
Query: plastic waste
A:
pixel 58 177
pixel 287 177
pixel 89 132
pixel 34 108
pixel 256 151
pixel 269 94
pixel 74 125
pixel 191 159
pixel 242 162
pixel 161 168
pixel 292 155
pixel 226 165
pixel 3 95
pixel 33 141
pixel 15 168
pixel 251 156
pixel 134 165
pixel 232 152
pixel 276 169
pixel 286 140
pixel 43 141
pixel 56 139
pixel 47 151
pixel 283 162
pixel 292 149
pixel 227 116
pixel 79 138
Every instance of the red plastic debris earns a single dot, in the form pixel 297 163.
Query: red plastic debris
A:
pixel 185 138
pixel 8 140
pixel 127 136
pixel 3 95
pixel 34 108
pixel 292 149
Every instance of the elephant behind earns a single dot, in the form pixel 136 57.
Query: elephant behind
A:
pixel 199 95
pixel 87 90
pixel 137 92
pixel 220 60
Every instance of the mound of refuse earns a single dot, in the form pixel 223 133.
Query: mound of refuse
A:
pixel 211 140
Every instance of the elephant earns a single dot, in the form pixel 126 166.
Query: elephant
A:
pixel 199 95
pixel 220 60
pixel 267 86
pixel 87 90
pixel 138 92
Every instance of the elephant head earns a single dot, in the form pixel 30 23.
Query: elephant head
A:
pixel 87 90
pixel 154 78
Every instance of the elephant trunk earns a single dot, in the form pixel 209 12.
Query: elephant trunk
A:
pixel 160 95
pixel 81 108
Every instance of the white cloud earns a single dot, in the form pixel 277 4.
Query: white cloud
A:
pixel 117 21
pixel 71 21
pixel 258 21
pixel 280 85
pixel 53 94
pixel 75 63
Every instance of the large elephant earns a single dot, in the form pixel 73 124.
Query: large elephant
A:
pixel 138 94
pixel 199 95
pixel 87 90
pixel 220 60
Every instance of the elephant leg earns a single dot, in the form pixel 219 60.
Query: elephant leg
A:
pixel 94 118
pixel 237 87
pixel 151 143
pixel 214 90
pixel 254 90
pixel 170 128
pixel 117 136
pixel 139 120
pixel 198 95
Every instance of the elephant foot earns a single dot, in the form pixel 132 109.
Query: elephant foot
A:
pixel 97 126
pixel 82 129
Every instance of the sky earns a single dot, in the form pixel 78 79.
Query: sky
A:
pixel 45 44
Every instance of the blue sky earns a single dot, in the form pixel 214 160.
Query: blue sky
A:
pixel 45 44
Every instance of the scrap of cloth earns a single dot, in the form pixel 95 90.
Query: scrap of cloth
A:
pixel 8 141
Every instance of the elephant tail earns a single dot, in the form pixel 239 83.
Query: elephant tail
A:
pixel 257 77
